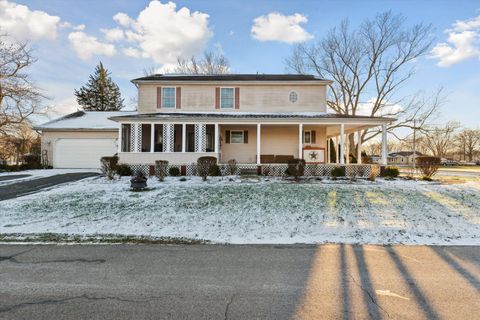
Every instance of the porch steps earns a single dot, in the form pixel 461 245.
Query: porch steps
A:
pixel 248 171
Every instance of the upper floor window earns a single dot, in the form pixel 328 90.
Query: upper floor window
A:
pixel 227 97
pixel 168 97
pixel 293 97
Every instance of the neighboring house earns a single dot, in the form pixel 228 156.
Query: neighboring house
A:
pixel 403 157
pixel 254 119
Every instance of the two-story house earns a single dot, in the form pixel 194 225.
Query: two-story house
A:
pixel 254 119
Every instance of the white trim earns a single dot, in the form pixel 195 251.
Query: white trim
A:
pixel 259 147
pixel 300 138
pixel 119 147
pixel 342 143
pixel 243 136
pixel 175 98
pixel 216 146
pixel 384 145
pixel 152 136
pixel 233 105
pixel 347 148
pixel 184 137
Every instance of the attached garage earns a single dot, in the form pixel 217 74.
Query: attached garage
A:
pixel 80 139
pixel 82 152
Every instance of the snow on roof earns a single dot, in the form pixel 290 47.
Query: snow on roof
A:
pixel 85 120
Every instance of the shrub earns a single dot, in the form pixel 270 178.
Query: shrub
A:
pixel 161 167
pixel 338 172
pixel 214 171
pixel 109 166
pixel 174 171
pixel 124 170
pixel 390 172
pixel 203 166
pixel 428 166
pixel 296 168
pixel 232 166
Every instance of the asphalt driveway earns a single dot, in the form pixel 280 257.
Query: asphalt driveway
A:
pixel 239 282
pixel 22 188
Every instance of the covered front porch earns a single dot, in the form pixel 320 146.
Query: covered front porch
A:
pixel 250 140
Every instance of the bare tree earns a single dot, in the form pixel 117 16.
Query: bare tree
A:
pixel 19 97
pixel 440 141
pixel 212 62
pixel 468 141
pixel 369 65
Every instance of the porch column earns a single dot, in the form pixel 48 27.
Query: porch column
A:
pixel 300 141
pixel 328 150
pixel 216 146
pixel 359 147
pixel 259 150
pixel 337 151
pixel 184 137
pixel 347 147
pixel 384 145
pixel 152 137
pixel 120 139
pixel 342 143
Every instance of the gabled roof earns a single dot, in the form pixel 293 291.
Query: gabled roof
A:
pixel 231 77
pixel 85 120
pixel 404 154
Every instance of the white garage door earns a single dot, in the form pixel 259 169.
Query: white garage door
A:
pixel 82 153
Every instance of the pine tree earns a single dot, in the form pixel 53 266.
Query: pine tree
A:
pixel 100 93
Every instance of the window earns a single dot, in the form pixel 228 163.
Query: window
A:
pixel 158 138
pixel 236 136
pixel 293 97
pixel 307 136
pixel 126 132
pixel 168 97
pixel 227 97
pixel 146 137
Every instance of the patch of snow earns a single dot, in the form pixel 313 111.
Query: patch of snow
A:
pixel 86 120
pixel 233 210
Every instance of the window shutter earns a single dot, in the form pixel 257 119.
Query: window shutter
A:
pixel 178 98
pixel 217 100
pixel 237 98
pixel 227 136
pixel 159 97
pixel 313 137
pixel 245 136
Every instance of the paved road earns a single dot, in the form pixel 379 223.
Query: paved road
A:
pixel 22 188
pixel 13 177
pixel 238 282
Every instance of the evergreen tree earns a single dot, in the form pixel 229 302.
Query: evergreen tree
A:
pixel 333 152
pixel 100 93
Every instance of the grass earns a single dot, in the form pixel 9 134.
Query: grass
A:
pixel 94 238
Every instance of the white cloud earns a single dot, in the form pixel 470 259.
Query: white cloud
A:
pixel 115 34
pixel 365 108
pixel 87 46
pixel 278 27
pixel 123 19
pixel 463 43
pixel 24 24
pixel 163 33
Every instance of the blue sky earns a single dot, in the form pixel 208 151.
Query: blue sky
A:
pixel 61 67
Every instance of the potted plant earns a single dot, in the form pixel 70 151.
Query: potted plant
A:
pixel 138 182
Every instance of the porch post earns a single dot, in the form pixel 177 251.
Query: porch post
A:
pixel 152 137
pixel 342 143
pixel 347 147
pixel 184 137
pixel 328 150
pixel 216 147
pixel 300 141
pixel 384 144
pixel 337 151
pixel 259 150
pixel 120 139
pixel 359 147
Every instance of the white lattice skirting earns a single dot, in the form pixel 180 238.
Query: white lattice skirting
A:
pixel 273 170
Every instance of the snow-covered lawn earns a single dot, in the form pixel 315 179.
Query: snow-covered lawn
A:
pixel 40 173
pixel 249 211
